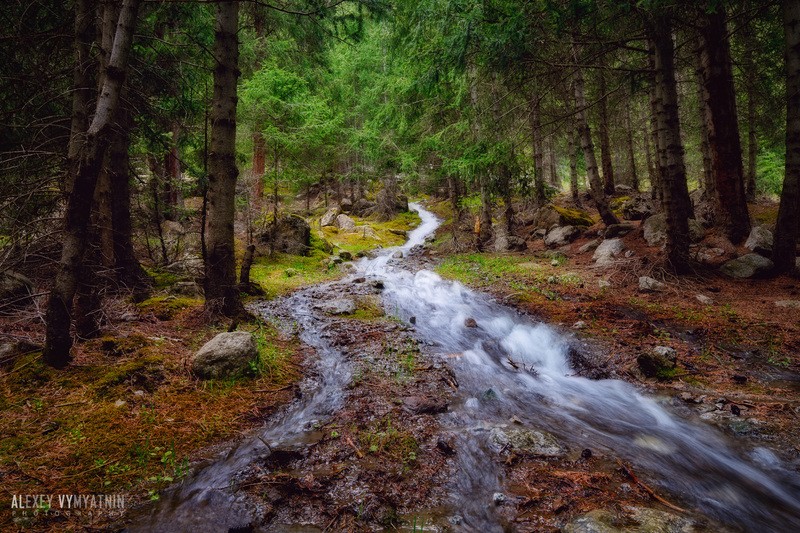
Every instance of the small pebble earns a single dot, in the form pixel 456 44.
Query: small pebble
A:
pixel 498 498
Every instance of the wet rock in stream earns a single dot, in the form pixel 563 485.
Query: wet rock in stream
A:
pixel 525 441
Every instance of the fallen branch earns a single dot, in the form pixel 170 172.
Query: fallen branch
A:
pixel 350 442
pixel 628 470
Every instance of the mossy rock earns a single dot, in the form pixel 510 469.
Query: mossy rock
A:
pixel 573 217
pixel 144 372
pixel 617 203
pixel 167 307
pixel 116 346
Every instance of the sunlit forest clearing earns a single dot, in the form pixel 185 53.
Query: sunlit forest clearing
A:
pixel 454 265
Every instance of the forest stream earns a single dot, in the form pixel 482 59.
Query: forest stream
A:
pixel 506 367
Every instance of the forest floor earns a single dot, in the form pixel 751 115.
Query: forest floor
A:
pixel 128 417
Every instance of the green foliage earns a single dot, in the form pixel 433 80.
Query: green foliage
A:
pixel 770 170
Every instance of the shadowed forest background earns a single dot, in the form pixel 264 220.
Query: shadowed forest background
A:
pixel 626 171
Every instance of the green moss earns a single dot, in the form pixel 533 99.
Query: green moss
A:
pixel 617 203
pixel 144 371
pixel 574 217
pixel 162 279
pixel 167 307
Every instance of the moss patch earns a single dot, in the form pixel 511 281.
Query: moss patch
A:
pixel 574 217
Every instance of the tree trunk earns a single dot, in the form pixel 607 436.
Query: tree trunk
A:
pixel 128 271
pixel 551 153
pixel 659 155
pixel 676 202
pixel 585 134
pixel 221 290
pixel 651 170
pixel 751 78
pixel 634 180
pixel 605 142
pixel 58 341
pixel 573 166
pixel 259 163
pixel 539 196
pixel 172 177
pixel 723 126
pixel 786 228
pixel 84 73
pixel 709 186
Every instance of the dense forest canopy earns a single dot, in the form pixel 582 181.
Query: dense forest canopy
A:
pixel 114 112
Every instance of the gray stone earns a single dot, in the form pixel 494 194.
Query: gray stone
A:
pixel 760 240
pixel 539 233
pixel 597 521
pixel 470 323
pixel 226 355
pixel 618 230
pixel 400 232
pixel 654 230
pixel 561 235
pixel 339 306
pixel 747 266
pixel 329 218
pixel 710 256
pixel 345 255
pixel 659 363
pixel 15 288
pixel 498 498
pixel 346 204
pixel 603 284
pixel 187 288
pixel 363 207
pixel 658 521
pixel 665 351
pixel 291 235
pixel 580 324
pixel 637 208
pixel 525 441
pixel 608 251
pixel 793 304
pixel 648 284
pixel 589 246
pixel 345 223
pixel 703 299
pixel 397 255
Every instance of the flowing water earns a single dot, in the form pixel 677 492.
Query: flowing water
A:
pixel 509 366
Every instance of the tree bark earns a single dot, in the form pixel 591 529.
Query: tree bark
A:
pixel 259 164
pixel 84 83
pixel 709 185
pixel 634 181
pixel 221 290
pixel 58 340
pixel 573 165
pixel 605 141
pixel 651 170
pixel 676 202
pixel 539 196
pixel 786 228
pixel 585 134
pixel 723 126
pixel 128 271
pixel 551 155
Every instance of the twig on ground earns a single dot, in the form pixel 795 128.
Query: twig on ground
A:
pixel 629 471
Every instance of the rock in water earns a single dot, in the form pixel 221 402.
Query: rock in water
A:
pixel 525 441
pixel 226 355
pixel 340 306
pixel 608 251
pixel 561 235
pixel 747 266
pixel 760 240
pixel 470 323
pixel 329 218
